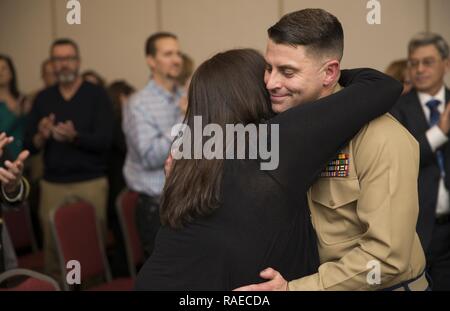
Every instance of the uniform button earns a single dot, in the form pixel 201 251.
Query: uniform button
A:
pixel 332 203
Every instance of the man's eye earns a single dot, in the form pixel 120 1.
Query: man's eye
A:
pixel 288 74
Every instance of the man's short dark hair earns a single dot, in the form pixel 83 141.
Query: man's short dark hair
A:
pixel 316 29
pixel 150 45
pixel 65 41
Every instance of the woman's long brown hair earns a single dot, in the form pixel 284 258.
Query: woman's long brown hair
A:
pixel 226 89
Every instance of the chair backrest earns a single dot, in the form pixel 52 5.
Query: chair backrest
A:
pixel 77 237
pixel 126 208
pixel 34 281
pixel 20 228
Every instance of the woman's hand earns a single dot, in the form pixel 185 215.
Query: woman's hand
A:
pixel 11 174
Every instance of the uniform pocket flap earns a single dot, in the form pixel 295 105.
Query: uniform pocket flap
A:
pixel 335 191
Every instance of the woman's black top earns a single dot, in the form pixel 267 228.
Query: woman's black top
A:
pixel 264 220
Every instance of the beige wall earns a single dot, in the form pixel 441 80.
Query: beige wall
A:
pixel 111 36
pixel 440 21
pixel 25 32
pixel 112 32
pixel 206 27
pixel 372 45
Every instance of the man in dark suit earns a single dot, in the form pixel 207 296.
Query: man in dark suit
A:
pixel 425 112
pixel 13 190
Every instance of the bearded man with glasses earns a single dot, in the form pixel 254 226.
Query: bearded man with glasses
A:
pixel 71 122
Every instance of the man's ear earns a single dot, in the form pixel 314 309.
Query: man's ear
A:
pixel 447 65
pixel 150 61
pixel 332 70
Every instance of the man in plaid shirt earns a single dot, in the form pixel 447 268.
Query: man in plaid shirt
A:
pixel 147 123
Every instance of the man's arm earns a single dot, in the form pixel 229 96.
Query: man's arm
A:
pixel 386 160
pixel 432 139
pixel 144 135
pixel 34 140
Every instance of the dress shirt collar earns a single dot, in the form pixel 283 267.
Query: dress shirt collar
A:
pixel 425 97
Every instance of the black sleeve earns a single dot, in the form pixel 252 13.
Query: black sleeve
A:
pixel 100 138
pixel 427 156
pixel 310 134
pixel 32 123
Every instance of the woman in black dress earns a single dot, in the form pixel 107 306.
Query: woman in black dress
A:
pixel 226 220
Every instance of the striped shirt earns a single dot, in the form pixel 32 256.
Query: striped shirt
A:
pixel 148 119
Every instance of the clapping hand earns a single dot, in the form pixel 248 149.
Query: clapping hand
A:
pixel 11 174
pixel 64 132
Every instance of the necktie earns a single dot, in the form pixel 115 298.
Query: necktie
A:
pixel 434 119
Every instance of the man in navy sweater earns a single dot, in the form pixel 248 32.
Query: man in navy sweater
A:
pixel 71 122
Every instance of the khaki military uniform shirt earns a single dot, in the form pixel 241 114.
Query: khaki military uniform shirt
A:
pixel 370 215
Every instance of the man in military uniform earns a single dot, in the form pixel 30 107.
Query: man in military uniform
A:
pixel 364 207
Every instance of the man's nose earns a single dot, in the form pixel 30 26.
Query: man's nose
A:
pixel 420 67
pixel 273 82
pixel 177 60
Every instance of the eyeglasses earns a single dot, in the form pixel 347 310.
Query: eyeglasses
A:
pixel 65 59
pixel 427 62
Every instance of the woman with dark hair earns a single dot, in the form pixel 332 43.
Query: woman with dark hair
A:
pixel 13 106
pixel 226 220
